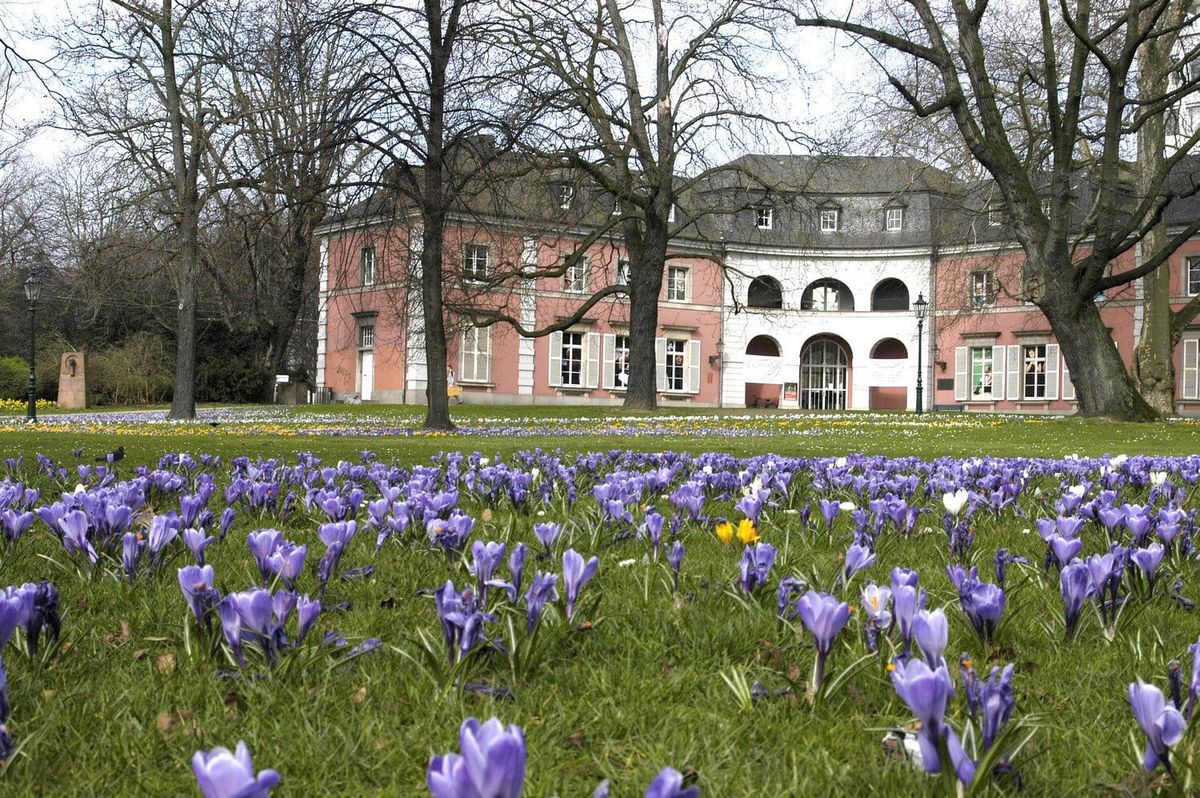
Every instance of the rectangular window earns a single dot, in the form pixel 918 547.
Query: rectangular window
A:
pixel 676 363
pixel 895 220
pixel 571 360
pixel 624 272
pixel 620 362
pixel 983 288
pixel 981 372
pixel 765 218
pixel 564 193
pixel 1046 207
pixel 1193 276
pixel 476 262
pixel 366 265
pixel 1033 370
pixel 366 336
pixel 995 216
pixel 575 277
pixel 671 215
pixel 677 283
pixel 476 355
pixel 829 220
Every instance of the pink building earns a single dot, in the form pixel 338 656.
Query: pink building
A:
pixel 800 297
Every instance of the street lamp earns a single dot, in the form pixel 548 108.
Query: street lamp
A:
pixel 919 307
pixel 33 289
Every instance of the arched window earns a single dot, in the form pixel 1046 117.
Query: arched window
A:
pixel 764 292
pixel 827 295
pixel 889 349
pixel 824 372
pixel 890 294
pixel 763 345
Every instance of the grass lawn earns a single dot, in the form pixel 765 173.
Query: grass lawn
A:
pixel 641 678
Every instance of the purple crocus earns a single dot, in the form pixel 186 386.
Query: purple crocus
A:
pixel 932 632
pixel 996 702
pixel 307 612
pixel 74 528
pixel 222 774
pixel 263 543
pixel 1074 582
pixel 824 617
pixel 857 558
pixel 484 559
pixel 1063 549
pixel 906 600
pixel 829 509
pixel 542 590
pixel 755 567
pixel 197 541
pixel 1148 560
pixel 547 533
pixel 576 574
pixel 132 547
pixel 984 606
pixel 196 582
pixel 669 784
pixel 491 765
pixel 287 562
pixel 925 690
pixel 1161 722
pixel 675 558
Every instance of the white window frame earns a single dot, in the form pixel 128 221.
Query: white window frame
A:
pixel 566 193
pixel 624 272
pixel 679 284
pixel 1191 286
pixel 676 365
pixel 1189 386
pixel 894 220
pixel 1031 356
pixel 573 341
pixel 575 277
pixel 987 296
pixel 1046 207
pixel 671 214
pixel 831 299
pixel 474 254
pixel 995 216
pixel 982 390
pixel 366 265
pixel 616 362
pixel 366 334
pixel 764 218
pixel 830 219
pixel 475 355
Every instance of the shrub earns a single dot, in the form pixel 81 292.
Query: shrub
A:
pixel 14 377
pixel 139 370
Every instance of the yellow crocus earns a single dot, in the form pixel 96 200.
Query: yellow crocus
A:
pixel 746 533
pixel 725 532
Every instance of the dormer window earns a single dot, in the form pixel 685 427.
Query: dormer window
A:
pixel 995 216
pixel 830 219
pixel 893 220
pixel 1046 208
pixel 764 218
pixel 564 193
pixel 671 215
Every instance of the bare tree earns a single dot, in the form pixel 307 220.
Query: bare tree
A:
pixel 140 81
pixel 298 83
pixel 641 98
pixel 1047 114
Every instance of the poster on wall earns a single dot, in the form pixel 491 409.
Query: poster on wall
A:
pixel 791 391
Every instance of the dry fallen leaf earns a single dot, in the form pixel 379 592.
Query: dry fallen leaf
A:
pixel 360 695
pixel 166 722
pixel 141 652
pixel 120 639
pixel 165 663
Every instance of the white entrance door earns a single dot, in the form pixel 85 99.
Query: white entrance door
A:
pixel 366 373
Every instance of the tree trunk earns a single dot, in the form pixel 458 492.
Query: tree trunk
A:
pixel 183 399
pixel 437 411
pixel 646 276
pixel 1102 386
pixel 1153 364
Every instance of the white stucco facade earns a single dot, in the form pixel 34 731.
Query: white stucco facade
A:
pixel 797 325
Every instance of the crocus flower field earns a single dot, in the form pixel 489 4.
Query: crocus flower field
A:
pixel 594 620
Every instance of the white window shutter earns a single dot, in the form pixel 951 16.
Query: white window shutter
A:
pixel 1013 384
pixel 466 365
pixel 610 361
pixel 484 342
pixel 591 346
pixel 554 360
pixel 1191 369
pixel 693 366
pixel 1051 371
pixel 687 284
pixel 997 372
pixel 1068 387
pixel 660 363
pixel 961 373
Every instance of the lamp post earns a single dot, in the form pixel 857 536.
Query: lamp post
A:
pixel 33 289
pixel 919 307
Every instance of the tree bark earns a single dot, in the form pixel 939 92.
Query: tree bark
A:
pixel 1102 387
pixel 648 258
pixel 1153 361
